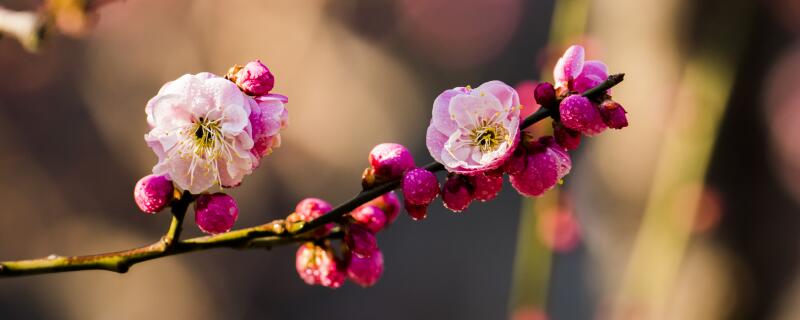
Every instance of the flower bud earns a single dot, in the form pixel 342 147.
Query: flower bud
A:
pixel 417 212
pixel 456 192
pixel 153 193
pixel 545 94
pixel 370 217
pixel 578 113
pixel 486 186
pixel 390 160
pixel 365 271
pixel 419 186
pixel 388 203
pixel 215 213
pixel 547 165
pixel 566 137
pixel 517 162
pixel 309 209
pixel 360 240
pixel 318 266
pixel 613 114
pixel 255 79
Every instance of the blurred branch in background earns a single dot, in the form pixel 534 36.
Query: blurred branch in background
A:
pixel 649 284
pixel 70 17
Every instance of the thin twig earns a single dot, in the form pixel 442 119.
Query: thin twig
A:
pixel 275 233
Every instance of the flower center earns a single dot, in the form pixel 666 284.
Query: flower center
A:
pixel 488 136
pixel 207 138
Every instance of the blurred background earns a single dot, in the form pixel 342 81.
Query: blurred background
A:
pixel 689 213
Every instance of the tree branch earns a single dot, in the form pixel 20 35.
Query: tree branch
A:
pixel 275 233
pixel 71 17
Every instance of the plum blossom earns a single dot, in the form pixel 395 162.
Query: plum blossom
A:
pixel 317 265
pixel 268 118
pixel 573 73
pixel 201 133
pixel 474 130
pixel 546 163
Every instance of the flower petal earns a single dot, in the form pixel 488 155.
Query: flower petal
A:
pixel 569 66
pixel 441 119
pixel 469 110
pixel 435 141
pixel 507 96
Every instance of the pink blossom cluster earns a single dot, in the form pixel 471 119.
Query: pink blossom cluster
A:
pixel 210 130
pixel 360 260
pixel 474 134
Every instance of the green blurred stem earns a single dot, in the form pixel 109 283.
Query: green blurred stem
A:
pixel 275 233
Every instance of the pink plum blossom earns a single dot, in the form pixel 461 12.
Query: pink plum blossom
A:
pixel 318 266
pixel 613 114
pixel 474 130
pixel 201 133
pixel 580 114
pixel 215 213
pixel 255 79
pixel 544 94
pixel 419 186
pixel 365 271
pixel 153 193
pixel 370 217
pixel 267 118
pixel 416 212
pixel 309 209
pixel 360 240
pixel 486 186
pixel 388 203
pixel 566 137
pixel 456 193
pixel 390 160
pixel 573 73
pixel 546 164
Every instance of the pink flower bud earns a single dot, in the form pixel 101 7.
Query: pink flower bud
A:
pixel 365 271
pixel 255 79
pixel 419 186
pixel 566 137
pixel 517 162
pixel 318 266
pixel 360 240
pixel 456 193
pixel 215 213
pixel 370 217
pixel 153 193
pixel 578 113
pixel 545 94
pixel 390 160
pixel 311 208
pixel 389 203
pixel 486 186
pixel 417 212
pixel 613 114
pixel 547 164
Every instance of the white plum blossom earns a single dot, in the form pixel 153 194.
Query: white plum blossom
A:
pixel 201 132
